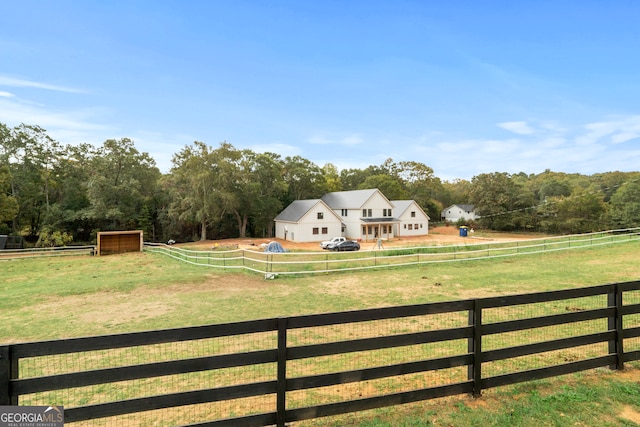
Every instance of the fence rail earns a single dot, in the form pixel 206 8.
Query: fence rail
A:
pixel 272 264
pixel 46 252
pixel 280 370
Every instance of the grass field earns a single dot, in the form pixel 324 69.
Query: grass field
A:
pixel 53 298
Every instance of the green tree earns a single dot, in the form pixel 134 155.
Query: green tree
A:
pixel 352 179
pixel 69 194
pixel 624 211
pixel 391 187
pixel 454 192
pixel 122 180
pixel 420 183
pixel 581 213
pixel 50 238
pixel 500 201
pixel 8 203
pixel 305 179
pixel 267 190
pixel 195 187
pixel 30 154
pixel 332 178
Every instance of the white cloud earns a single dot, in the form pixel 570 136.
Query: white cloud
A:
pixel 15 113
pixel 621 137
pixel 521 128
pixel 13 82
pixel 5 94
pixel 617 131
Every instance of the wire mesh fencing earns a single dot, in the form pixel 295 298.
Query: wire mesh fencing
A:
pixel 273 371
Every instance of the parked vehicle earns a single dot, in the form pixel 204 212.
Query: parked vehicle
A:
pixel 328 243
pixel 347 245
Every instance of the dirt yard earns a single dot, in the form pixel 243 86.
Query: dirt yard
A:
pixel 437 236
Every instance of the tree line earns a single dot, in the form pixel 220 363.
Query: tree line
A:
pixel 54 194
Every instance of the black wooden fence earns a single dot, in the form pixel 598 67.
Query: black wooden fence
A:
pixel 499 341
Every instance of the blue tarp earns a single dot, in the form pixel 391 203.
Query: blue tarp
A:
pixel 275 247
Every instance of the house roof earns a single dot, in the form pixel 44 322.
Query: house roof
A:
pixel 353 199
pixel 378 220
pixel 466 208
pixel 403 205
pixel 296 210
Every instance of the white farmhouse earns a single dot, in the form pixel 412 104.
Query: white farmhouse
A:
pixel 455 212
pixel 364 215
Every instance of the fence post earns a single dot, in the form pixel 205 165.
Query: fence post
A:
pixel 281 394
pixel 614 299
pixel 474 371
pixel 8 371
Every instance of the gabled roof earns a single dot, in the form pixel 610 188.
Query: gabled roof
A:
pixel 299 208
pixel 296 210
pixel 403 205
pixel 466 208
pixel 353 199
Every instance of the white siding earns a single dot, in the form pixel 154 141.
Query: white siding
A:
pixel 417 225
pixel 377 203
pixel 455 212
pixel 327 227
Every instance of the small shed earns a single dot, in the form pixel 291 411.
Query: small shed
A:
pixel 116 242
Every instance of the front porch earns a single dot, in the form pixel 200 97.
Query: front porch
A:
pixel 374 228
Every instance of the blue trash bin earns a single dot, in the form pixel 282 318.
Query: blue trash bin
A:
pixel 463 231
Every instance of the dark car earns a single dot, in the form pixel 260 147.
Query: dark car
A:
pixel 347 245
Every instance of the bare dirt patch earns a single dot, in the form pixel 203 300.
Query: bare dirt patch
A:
pixel 441 235
pixel 630 414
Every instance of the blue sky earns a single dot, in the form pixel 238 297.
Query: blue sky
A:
pixel 465 87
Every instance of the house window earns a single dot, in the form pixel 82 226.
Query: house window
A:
pixel 320 215
pixel 420 225
pixel 415 226
pixel 413 214
pixel 366 213
pixel 325 230
pixel 410 226
pixel 315 230
pixel 364 230
pixel 386 212
pixel 405 226
pixel 345 212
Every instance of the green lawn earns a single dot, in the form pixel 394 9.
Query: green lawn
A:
pixel 50 298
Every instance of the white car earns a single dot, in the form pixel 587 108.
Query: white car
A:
pixel 329 243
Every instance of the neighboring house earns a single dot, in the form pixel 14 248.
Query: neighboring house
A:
pixel 359 215
pixel 455 212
